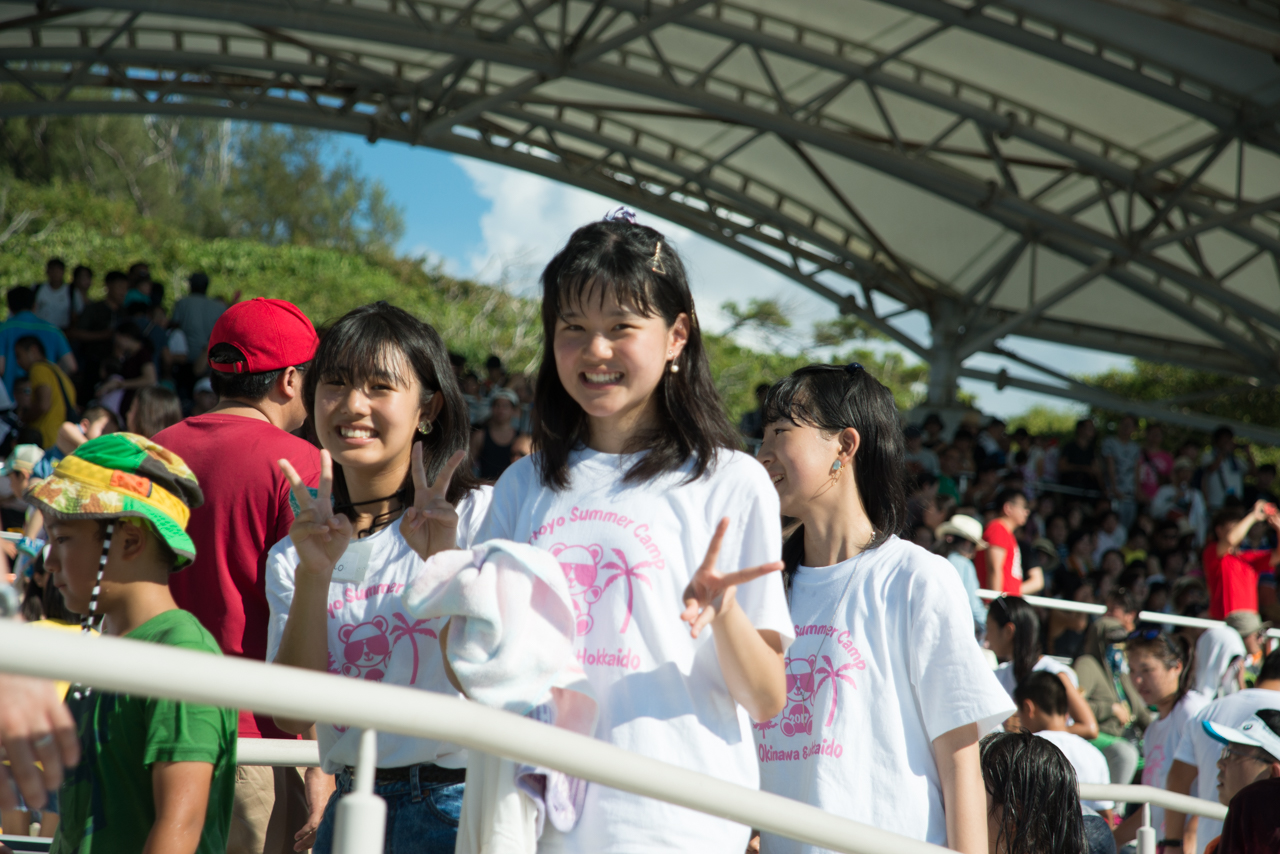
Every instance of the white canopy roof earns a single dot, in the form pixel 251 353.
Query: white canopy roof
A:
pixel 1101 173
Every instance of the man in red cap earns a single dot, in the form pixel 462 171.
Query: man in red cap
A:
pixel 258 351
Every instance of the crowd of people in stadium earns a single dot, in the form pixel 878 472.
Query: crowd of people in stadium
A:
pixel 840 616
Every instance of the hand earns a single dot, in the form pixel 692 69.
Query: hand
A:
pixel 35 726
pixel 1121 711
pixel 430 526
pixel 318 534
pixel 110 386
pixel 711 593
pixel 319 787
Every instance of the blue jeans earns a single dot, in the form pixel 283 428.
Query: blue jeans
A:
pixel 422 818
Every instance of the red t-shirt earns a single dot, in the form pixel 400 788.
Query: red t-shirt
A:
pixel 997 534
pixel 246 511
pixel 1233 579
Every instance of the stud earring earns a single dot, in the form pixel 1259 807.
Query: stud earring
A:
pixel 835 468
pixel 675 369
pixel 424 427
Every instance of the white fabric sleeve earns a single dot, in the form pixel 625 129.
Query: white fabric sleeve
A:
pixel 757 534
pixel 472 510
pixel 1192 730
pixel 282 562
pixel 953 684
pixel 499 522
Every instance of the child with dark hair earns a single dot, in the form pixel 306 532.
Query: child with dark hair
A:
pixel 1161 668
pixel 637 487
pixel 887 692
pixel 1033 801
pixel 390 417
pixel 1042 710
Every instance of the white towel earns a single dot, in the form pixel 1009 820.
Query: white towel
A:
pixel 510 645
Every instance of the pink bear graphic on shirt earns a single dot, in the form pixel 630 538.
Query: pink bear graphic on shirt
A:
pixel 365 649
pixel 581 565
pixel 796 717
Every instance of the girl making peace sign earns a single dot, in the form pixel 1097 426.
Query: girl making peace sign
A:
pixel 389 413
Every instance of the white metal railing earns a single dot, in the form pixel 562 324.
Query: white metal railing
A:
pixel 1143 616
pixel 300 754
pixel 134 667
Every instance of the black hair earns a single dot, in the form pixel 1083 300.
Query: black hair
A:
pixel 156 408
pixel 93 413
pixel 1229 513
pixel 251 387
pixel 81 268
pixel 1270 669
pixel 832 398
pixel 199 283
pixel 1267 468
pixel 492 362
pixel 1125 598
pixel 1045 689
pixel 1082 422
pixel 55 262
pixel 115 276
pixel 29 341
pixel 1035 788
pixel 1221 431
pixel 1026 632
pixel 20 298
pixel 1076 536
pixel 369 342
pixel 129 329
pixel 637 266
pixel 1008 496
pixel 932 418
pixel 1170 650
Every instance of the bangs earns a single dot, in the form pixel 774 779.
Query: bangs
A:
pixel 363 351
pixel 632 289
pixel 788 400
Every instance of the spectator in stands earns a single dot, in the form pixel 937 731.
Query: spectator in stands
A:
pixel 151 322
pixel 1223 469
pixel 139 274
pixel 1160 665
pixel 23 323
pixel 53 395
pixel 1232 573
pixel 1195 766
pixel 1253 632
pixel 1263 486
pixel 1000 563
pixel 918 457
pixel 55 301
pixel 154 408
pixel 258 377
pixel 1033 801
pixel 82 281
pixel 157 775
pixel 1252 823
pixel 1078 465
pixel 1107 687
pixel 1080 550
pixel 950 478
pixel 1042 710
pixel 751 426
pixel 933 429
pixel 1250 754
pixel 1219 659
pixel 1013 634
pixel 1121 456
pixel 1111 534
pixel 131 368
pixel 94 422
pixel 491 444
pixel 959 539
pixel 495 374
pixel 1123 607
pixel 204 397
pixel 992 446
pixel 1155 464
pixel 94 332
pixel 196 314
pixel 1178 500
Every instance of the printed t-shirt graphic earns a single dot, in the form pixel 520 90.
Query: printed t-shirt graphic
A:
pixel 628 552
pixel 871 686
pixel 375 638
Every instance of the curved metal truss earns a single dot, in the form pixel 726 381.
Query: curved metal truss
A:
pixel 661 104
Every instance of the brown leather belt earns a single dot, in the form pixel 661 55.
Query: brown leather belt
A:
pixel 428 774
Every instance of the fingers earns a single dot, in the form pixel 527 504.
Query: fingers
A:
pixel 713 550
pixel 743 576
pixel 441 486
pixel 22 764
pixel 8 791
pixel 697 616
pixel 299 489
pixel 325 488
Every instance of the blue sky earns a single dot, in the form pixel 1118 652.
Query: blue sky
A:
pixel 500 226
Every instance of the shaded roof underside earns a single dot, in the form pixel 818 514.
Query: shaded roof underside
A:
pixel 1069 171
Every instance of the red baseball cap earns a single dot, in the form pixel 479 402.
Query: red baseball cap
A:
pixel 271 333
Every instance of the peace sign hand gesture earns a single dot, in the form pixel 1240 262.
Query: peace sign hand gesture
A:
pixel 712 593
pixel 318 534
pixel 431 524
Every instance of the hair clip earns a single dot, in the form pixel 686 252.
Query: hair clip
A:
pixel 656 264
pixel 853 367
pixel 621 213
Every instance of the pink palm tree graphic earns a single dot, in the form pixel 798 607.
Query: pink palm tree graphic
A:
pixel 832 673
pixel 764 726
pixel 404 629
pixel 629 572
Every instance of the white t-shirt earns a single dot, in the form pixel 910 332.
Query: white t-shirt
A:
pixel 872 679
pixel 1090 764
pixel 1200 749
pixel 1160 745
pixel 1005 672
pixel 629 551
pixel 371 636
pixel 55 306
pixel 1225 482
pixel 1126 455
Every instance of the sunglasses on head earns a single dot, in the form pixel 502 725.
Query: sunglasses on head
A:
pixel 1145 634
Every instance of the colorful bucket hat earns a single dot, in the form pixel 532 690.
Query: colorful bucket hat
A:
pixel 119 475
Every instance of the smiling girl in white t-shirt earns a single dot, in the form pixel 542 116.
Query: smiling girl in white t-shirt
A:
pixel 388 411
pixel 635 487
pixel 887 690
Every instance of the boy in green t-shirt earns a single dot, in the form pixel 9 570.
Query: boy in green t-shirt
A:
pixel 155 775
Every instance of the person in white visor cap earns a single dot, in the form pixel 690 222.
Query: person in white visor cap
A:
pixel 1251 752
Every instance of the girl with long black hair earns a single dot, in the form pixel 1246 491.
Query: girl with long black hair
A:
pixel 394 427
pixel 1033 800
pixel 637 489
pixel 887 692
pixel 1013 634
